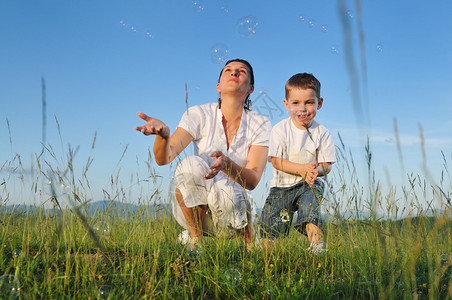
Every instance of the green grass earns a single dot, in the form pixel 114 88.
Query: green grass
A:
pixel 64 258
pixel 141 259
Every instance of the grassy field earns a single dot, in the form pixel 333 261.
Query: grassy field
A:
pixel 56 257
pixel 68 255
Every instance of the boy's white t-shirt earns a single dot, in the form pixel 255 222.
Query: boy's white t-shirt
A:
pixel 299 146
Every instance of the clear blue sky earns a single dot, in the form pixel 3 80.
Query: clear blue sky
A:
pixel 101 67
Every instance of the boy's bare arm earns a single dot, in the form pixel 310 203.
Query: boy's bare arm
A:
pixel 323 168
pixel 307 171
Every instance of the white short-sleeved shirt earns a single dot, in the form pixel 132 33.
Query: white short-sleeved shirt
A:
pixel 204 123
pixel 299 146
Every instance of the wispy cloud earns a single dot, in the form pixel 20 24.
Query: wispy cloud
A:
pixel 353 138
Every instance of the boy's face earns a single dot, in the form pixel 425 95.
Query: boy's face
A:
pixel 302 105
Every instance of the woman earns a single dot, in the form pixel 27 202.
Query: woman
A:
pixel 230 147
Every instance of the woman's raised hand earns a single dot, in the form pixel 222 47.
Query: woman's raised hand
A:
pixel 153 126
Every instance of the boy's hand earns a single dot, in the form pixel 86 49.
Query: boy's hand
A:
pixel 220 164
pixel 309 173
pixel 153 126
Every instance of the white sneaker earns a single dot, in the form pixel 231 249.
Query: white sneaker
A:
pixel 318 248
pixel 185 239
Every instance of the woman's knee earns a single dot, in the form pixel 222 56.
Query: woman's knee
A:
pixel 193 165
pixel 190 187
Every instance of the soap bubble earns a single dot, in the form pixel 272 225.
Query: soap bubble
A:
pixel 148 35
pixel 57 187
pixel 17 253
pixel 349 14
pixel 379 48
pixel 133 28
pixel 102 228
pixel 302 19
pixel 9 287
pixel 198 5
pixel 193 253
pixel 123 24
pixel 219 53
pixel 444 258
pixel 246 26
pixel 311 23
pixel 334 49
pixel 104 291
pixel 224 9
pixel 324 28
pixel 232 278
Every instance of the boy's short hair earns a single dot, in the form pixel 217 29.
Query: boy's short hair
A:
pixel 303 81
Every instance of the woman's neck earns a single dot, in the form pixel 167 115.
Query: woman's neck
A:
pixel 231 108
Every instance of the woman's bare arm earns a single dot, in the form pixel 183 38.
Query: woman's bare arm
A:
pixel 166 147
pixel 248 176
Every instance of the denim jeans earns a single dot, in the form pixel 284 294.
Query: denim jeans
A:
pixel 283 202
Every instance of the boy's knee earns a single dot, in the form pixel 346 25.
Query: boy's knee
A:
pixel 314 233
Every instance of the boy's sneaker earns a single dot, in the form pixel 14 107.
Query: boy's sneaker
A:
pixel 318 248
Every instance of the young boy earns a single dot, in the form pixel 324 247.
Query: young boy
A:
pixel 301 152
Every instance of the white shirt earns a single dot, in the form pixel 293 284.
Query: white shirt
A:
pixel 299 146
pixel 204 123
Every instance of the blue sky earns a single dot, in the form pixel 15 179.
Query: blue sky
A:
pixel 103 61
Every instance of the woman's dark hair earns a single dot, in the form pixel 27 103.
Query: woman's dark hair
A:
pixel 247 100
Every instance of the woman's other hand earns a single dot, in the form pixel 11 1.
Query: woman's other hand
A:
pixel 222 163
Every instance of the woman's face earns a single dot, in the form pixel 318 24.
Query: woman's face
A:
pixel 235 79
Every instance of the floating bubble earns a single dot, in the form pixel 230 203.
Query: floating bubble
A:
pixel 17 253
pixel 334 49
pixel 193 253
pixel 349 14
pixel 324 28
pixel 132 28
pixel 379 48
pixel 104 291
pixel 57 188
pixel 102 228
pixel 246 26
pixel 219 53
pixel 123 24
pixel 444 258
pixel 148 35
pixel 224 9
pixel 311 23
pixel 9 287
pixel 198 5
pixel 302 19
pixel 232 278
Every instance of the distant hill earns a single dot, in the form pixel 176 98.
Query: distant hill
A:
pixel 112 208
pixel 93 209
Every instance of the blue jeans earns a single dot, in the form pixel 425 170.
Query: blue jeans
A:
pixel 283 202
